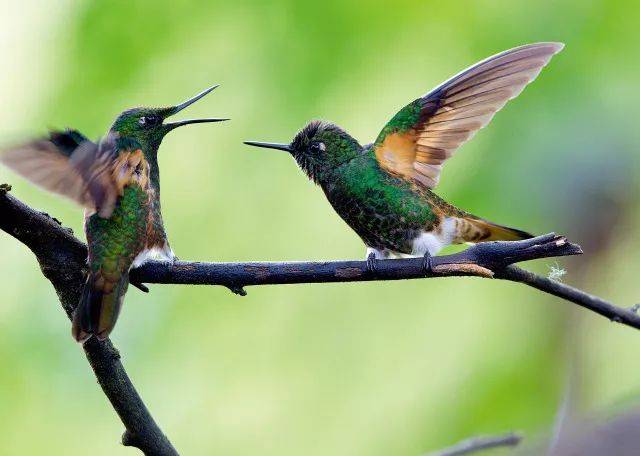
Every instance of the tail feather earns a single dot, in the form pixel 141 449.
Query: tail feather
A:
pixel 98 308
pixel 474 229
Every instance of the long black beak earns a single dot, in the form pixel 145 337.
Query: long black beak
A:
pixel 176 109
pixel 180 123
pixel 285 147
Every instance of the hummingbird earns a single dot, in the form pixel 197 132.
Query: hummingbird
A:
pixel 117 181
pixel 384 190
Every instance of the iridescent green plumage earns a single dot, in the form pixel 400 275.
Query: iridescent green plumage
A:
pixel 114 243
pixel 118 181
pixel 383 191
pixel 385 211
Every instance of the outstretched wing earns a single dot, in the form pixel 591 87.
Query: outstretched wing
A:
pixel 424 134
pixel 69 164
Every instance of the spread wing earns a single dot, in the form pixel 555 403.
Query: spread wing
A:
pixel 424 134
pixel 69 164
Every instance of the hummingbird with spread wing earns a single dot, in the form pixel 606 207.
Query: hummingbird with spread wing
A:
pixel 384 190
pixel 117 181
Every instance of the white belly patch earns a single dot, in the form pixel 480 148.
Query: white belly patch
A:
pixel 435 240
pixel 155 253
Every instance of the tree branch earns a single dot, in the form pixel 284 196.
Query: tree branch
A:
pixel 488 260
pixel 62 258
pixel 475 444
pixel 480 260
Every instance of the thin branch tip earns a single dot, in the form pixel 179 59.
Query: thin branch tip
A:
pixel 481 443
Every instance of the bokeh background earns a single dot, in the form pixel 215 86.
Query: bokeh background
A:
pixel 345 369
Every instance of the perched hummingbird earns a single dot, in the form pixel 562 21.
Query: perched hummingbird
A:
pixel 117 180
pixel 383 191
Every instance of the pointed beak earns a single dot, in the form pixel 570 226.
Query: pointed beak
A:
pixel 171 125
pixel 285 147
pixel 168 112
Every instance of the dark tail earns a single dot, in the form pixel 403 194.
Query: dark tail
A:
pixel 99 307
pixel 474 229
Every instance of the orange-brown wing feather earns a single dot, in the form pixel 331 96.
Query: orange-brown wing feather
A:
pixel 423 135
pixel 93 175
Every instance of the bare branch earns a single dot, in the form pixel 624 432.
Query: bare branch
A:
pixel 488 260
pixel 480 260
pixel 476 444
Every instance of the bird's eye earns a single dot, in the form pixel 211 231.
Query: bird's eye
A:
pixel 316 147
pixel 148 121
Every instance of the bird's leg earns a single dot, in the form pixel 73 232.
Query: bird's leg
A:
pixel 371 263
pixel 170 255
pixel 427 265
pixel 373 255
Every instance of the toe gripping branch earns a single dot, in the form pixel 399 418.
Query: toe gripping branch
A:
pixel 372 267
pixel 427 264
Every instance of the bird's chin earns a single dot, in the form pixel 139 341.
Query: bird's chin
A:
pixel 308 166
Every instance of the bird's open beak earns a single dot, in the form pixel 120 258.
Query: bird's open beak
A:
pixel 168 112
pixel 285 147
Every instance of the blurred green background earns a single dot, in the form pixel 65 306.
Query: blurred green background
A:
pixel 346 369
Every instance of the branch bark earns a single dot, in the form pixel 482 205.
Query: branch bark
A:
pixel 62 259
pixel 488 260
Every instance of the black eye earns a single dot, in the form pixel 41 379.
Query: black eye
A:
pixel 148 121
pixel 316 147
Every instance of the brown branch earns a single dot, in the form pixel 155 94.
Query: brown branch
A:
pixel 62 259
pixel 476 444
pixel 488 260
pixel 481 260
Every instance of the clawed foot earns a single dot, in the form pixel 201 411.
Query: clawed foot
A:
pixel 427 266
pixel 371 263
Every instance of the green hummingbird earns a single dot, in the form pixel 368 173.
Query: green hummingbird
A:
pixel 383 190
pixel 117 181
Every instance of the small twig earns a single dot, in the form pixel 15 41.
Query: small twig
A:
pixel 595 304
pixel 476 444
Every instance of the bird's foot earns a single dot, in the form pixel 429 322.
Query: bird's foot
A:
pixel 371 263
pixel 427 264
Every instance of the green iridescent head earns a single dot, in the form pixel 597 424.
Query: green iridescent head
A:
pixel 147 126
pixel 318 148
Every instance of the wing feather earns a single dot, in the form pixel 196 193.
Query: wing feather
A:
pixel 82 174
pixel 423 135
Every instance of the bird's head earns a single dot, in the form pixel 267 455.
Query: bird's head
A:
pixel 319 148
pixel 147 126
